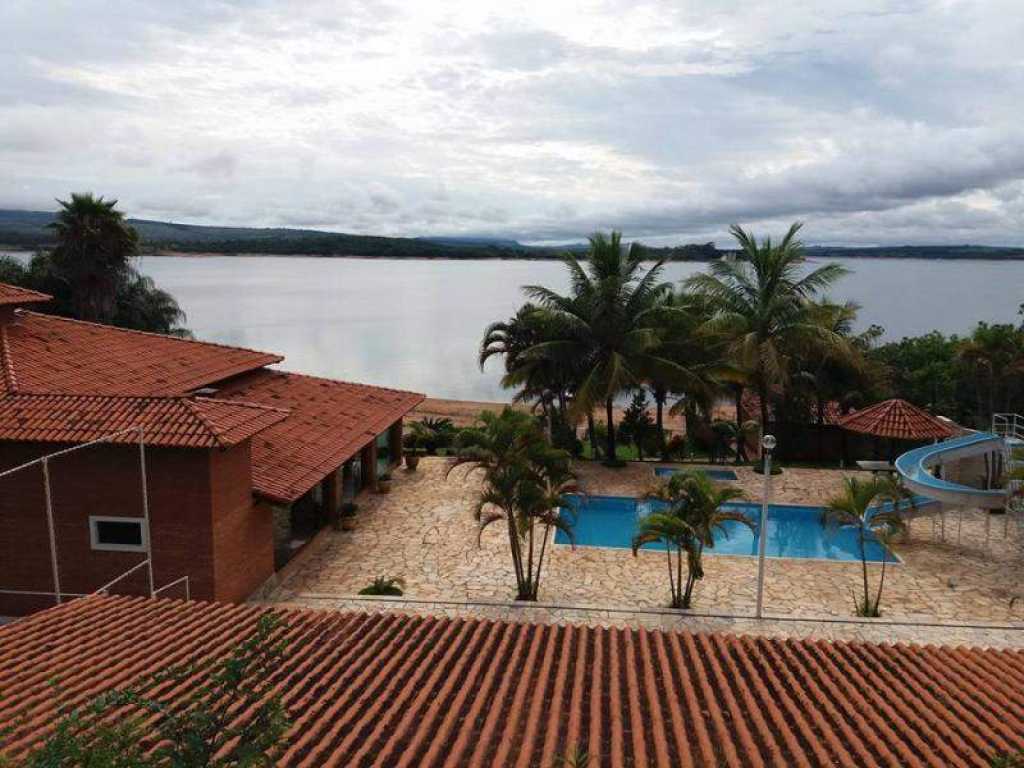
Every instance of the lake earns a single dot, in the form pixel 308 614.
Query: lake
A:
pixel 416 324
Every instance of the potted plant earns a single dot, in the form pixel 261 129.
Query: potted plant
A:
pixel 348 513
pixel 412 459
pixel 384 483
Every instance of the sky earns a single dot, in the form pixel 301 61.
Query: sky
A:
pixel 874 121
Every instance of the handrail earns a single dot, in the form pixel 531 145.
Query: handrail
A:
pixel 188 594
pixel 133 569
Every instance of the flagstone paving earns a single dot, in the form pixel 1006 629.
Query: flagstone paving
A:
pixel 424 533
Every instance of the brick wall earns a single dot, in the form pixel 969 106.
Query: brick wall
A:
pixel 200 509
pixel 243 532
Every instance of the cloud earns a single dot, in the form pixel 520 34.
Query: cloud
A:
pixel 877 121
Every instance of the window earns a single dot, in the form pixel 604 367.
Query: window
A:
pixel 118 534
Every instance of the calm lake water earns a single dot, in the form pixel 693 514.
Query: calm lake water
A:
pixel 417 324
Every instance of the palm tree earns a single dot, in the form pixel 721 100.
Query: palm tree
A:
pixel 856 507
pixel 525 484
pixel 609 325
pixel 690 518
pixel 93 252
pixel 140 305
pixel 761 308
pixel 543 380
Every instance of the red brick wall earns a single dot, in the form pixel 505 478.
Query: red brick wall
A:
pixel 188 491
pixel 243 532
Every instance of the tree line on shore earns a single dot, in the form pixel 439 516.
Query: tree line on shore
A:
pixel 759 331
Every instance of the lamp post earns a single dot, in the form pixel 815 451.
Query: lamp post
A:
pixel 768 445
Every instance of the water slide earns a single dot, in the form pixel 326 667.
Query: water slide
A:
pixel 914 467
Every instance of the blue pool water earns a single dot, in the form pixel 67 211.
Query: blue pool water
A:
pixel 793 531
pixel 714 474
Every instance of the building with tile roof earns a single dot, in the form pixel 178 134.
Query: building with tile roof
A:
pixel 243 462
pixel 392 690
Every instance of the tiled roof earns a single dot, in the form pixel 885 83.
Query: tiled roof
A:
pixel 44 354
pixel 178 422
pixel 12 294
pixel 330 421
pixel 392 690
pixel 898 419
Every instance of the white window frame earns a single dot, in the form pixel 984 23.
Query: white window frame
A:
pixel 94 537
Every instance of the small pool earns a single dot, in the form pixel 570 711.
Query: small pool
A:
pixel 714 474
pixel 793 531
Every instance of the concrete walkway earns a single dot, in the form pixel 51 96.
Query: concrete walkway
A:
pixel 423 532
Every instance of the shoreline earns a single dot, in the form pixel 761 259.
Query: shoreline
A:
pixel 554 255
pixel 464 413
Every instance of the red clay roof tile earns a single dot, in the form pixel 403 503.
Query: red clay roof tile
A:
pixel 178 422
pixel 387 689
pixel 13 295
pixel 329 422
pixel 50 355
pixel 897 419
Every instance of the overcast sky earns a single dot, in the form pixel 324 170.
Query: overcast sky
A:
pixel 883 121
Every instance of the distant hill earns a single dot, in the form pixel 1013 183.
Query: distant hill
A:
pixel 28 230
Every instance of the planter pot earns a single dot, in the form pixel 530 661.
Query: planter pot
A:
pixel 348 524
pixel 412 460
pixel 383 486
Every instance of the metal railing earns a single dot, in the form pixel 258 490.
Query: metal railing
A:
pixel 188 593
pixel 44 463
pixel 1009 426
pixel 105 589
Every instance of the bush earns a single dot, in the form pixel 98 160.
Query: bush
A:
pixel 382 585
pixel 678 447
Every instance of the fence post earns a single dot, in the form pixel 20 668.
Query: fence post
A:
pixel 50 528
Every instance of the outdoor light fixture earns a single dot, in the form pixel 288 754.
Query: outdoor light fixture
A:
pixel 768 443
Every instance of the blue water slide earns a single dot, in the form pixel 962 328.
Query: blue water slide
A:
pixel 914 467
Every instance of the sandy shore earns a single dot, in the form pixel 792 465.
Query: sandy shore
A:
pixel 465 412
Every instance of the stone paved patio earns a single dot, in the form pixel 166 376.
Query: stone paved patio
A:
pixel 423 532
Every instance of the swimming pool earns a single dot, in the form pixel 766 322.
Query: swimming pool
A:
pixel 714 474
pixel 793 531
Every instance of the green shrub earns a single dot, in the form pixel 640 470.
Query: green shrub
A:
pixel 383 585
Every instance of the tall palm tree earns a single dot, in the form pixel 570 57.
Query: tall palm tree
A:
pixel 691 518
pixel 525 484
pixel 761 307
pixel 609 324
pixel 858 506
pixel 93 252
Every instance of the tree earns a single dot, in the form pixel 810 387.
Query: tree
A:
pixel 227 718
pixel 636 422
pixel 761 307
pixel 608 325
pixel 544 380
pixel 994 357
pixel 93 253
pixel 855 507
pixel 525 483
pixel 689 517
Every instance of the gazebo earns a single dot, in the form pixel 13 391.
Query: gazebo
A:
pixel 897 420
